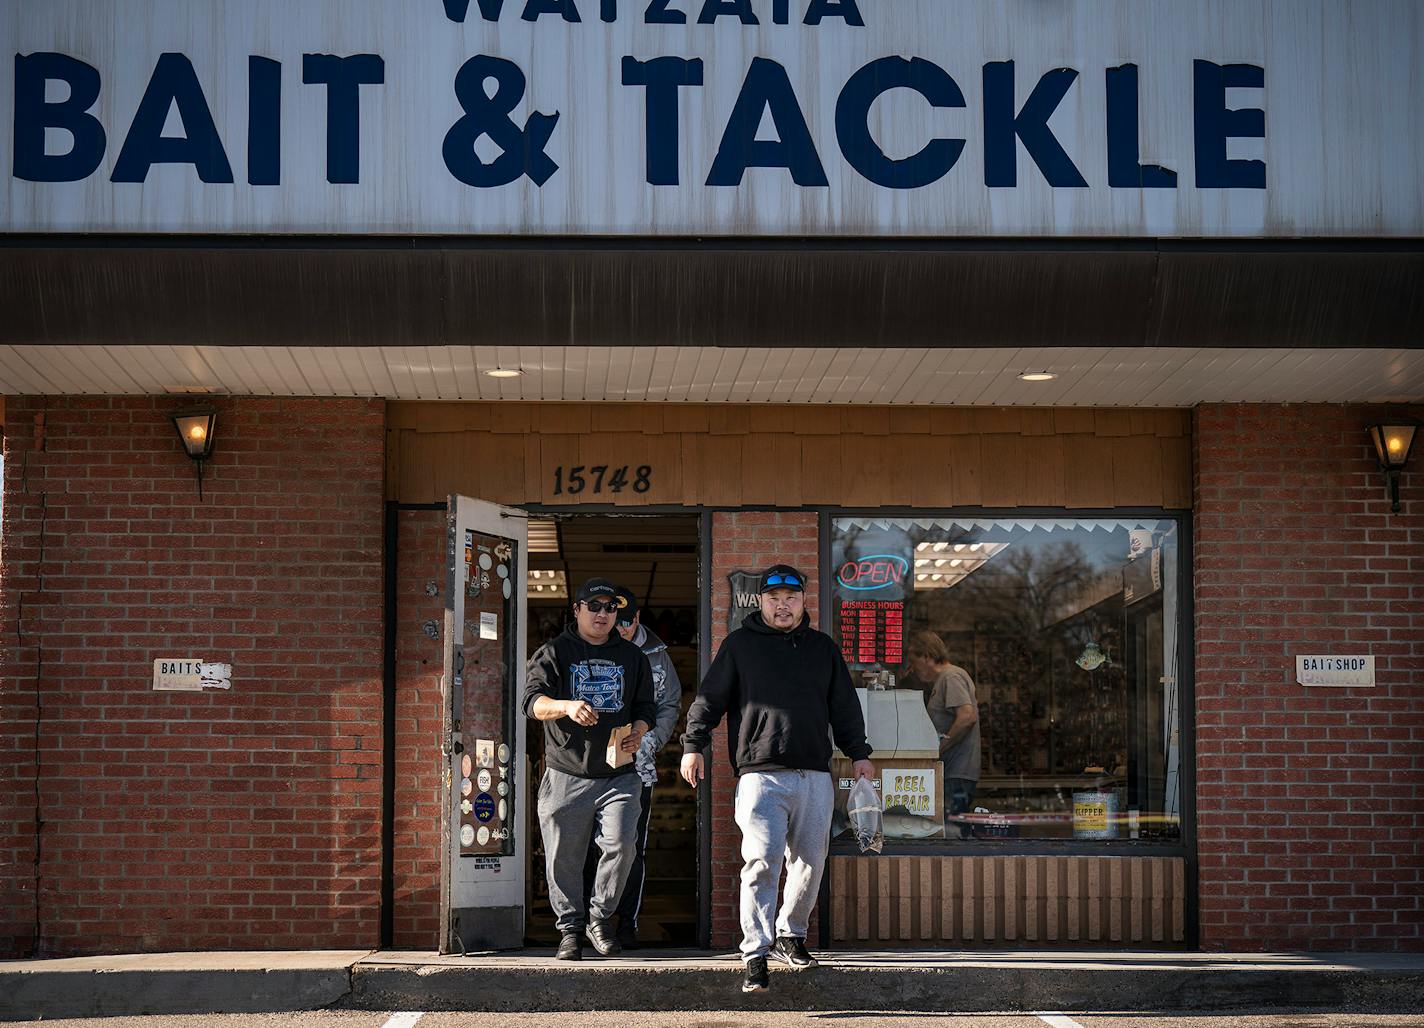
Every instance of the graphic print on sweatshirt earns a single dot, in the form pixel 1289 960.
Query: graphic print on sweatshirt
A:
pixel 599 683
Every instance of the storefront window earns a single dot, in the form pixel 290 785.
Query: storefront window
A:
pixel 1019 675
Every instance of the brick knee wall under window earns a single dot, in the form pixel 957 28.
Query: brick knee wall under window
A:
pixel 1310 800
pixel 240 819
pixel 746 541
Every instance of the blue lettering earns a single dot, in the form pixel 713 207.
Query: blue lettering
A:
pixel 33 115
pixel 608 10
pixel 780 12
pixel 264 122
pixel 343 78
pixel 714 9
pixel 1124 140
pixel 846 9
pixel 767 87
pixel 861 150
pixel 1002 127
pixel 456 10
pixel 486 115
pixel 662 76
pixel 565 8
pixel 658 14
pixel 1213 124
pixel 173 83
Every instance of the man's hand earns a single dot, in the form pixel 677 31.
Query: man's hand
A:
pixel 693 770
pixel 863 769
pixel 634 738
pixel 580 713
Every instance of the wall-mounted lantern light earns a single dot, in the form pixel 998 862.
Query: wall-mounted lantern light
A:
pixel 195 428
pixel 1393 441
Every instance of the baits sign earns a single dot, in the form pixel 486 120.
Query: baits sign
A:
pixel 922 117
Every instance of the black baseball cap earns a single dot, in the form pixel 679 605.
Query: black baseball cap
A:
pixel 628 608
pixel 596 588
pixel 781 576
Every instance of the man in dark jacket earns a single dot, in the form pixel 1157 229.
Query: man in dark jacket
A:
pixel 667 693
pixel 582 686
pixel 780 683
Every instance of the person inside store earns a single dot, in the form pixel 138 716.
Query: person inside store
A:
pixel 955 712
pixel 586 685
pixel 667 694
pixel 781 685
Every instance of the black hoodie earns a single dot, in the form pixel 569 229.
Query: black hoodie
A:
pixel 779 690
pixel 614 678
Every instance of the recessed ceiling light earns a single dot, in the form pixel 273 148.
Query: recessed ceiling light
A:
pixel 504 372
pixel 1037 376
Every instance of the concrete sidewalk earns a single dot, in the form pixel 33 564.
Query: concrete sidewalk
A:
pixel 693 980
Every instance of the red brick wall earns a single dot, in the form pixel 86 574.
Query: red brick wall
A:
pixel 746 541
pixel 1311 800
pixel 242 819
pixel 420 600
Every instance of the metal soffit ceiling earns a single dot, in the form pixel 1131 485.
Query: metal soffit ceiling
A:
pixel 1087 376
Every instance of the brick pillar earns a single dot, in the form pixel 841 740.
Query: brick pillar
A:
pixel 746 541
pixel 1310 800
pixel 420 602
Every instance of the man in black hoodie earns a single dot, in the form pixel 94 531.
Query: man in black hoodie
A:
pixel 582 686
pixel 780 683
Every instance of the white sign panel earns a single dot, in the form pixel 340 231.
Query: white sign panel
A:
pixel 915 789
pixel 1332 670
pixel 1232 118
pixel 188 674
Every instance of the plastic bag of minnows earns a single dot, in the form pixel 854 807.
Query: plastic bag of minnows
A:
pixel 866 816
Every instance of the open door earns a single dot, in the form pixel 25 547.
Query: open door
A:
pixel 485 835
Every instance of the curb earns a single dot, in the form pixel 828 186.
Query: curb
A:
pixel 26 995
pixel 939 989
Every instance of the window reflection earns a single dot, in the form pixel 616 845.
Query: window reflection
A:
pixel 1034 673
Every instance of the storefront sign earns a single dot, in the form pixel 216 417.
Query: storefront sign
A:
pixel 914 789
pixel 872 631
pixel 743 591
pixel 1106 118
pixel 877 571
pixel 191 674
pixel 1336 671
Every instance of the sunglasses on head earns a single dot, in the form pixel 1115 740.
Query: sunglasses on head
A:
pixel 784 580
pixel 600 606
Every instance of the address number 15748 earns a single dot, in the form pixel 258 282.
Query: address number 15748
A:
pixel 601 478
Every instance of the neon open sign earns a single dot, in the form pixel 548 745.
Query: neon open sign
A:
pixel 874 572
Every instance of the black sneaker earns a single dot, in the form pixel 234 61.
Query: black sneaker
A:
pixel 792 952
pixel 628 938
pixel 757 978
pixel 570 948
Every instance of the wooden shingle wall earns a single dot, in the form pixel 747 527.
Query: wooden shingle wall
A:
pixel 791 456
pixel 891 902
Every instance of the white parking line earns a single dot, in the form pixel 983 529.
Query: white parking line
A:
pixel 405 1019
pixel 1058 1021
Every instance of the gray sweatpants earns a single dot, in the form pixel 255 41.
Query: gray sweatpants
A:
pixel 783 815
pixel 572 811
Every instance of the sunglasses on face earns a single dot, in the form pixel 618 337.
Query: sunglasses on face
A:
pixel 600 607
pixel 794 580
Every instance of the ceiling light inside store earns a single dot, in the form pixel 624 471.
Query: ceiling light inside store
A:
pixel 548 585
pixel 957 569
pixel 1037 376
pixel 504 372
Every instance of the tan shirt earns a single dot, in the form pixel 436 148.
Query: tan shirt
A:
pixel 954 688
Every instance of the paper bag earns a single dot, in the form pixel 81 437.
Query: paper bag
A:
pixel 615 756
